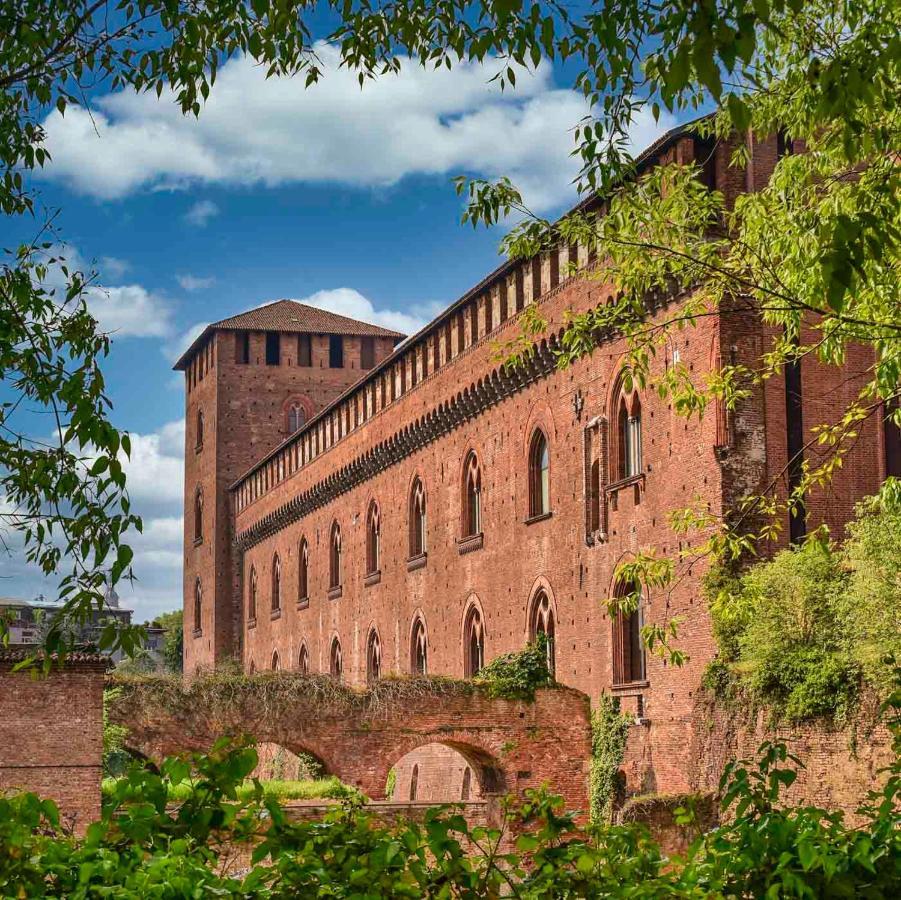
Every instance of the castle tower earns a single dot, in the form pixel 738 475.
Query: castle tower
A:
pixel 250 381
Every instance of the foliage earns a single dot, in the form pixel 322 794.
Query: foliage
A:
pixel 516 676
pixel 173 644
pixel 609 732
pixel 115 757
pixel 320 789
pixel 799 630
pixel 145 846
pixel 391 784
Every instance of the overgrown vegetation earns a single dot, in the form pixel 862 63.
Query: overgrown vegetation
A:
pixel 799 632
pixel 609 730
pixel 115 756
pixel 145 846
pixel 517 675
pixel 278 789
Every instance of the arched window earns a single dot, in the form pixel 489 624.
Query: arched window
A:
pixel 198 607
pixel 303 571
pixel 198 515
pixel 467 784
pixel 417 520
pixel 334 559
pixel 539 475
pixel 473 643
pixel 303 661
pixel 297 416
pixel 373 539
pixel 628 434
pixel 252 668
pixel 252 596
pixel 472 497
pixel 276 583
pixel 419 648
pixel 414 782
pixel 198 443
pixel 336 664
pixel 276 665
pixel 628 647
pixel 541 622
pixel 373 656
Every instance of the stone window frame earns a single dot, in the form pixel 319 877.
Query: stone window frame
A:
pixel 473 641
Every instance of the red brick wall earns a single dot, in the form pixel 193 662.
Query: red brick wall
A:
pixel 51 734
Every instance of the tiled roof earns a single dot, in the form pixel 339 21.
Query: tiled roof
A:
pixel 11 656
pixel 293 317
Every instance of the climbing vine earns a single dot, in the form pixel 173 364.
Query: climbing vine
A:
pixel 609 729
pixel 516 676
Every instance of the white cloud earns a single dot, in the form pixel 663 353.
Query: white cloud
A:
pixel 174 348
pixel 113 267
pixel 191 282
pixel 201 213
pixel 155 471
pixel 272 132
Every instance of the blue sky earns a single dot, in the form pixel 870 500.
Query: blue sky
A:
pixel 335 196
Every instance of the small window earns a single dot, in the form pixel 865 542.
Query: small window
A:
pixel 198 515
pixel 419 649
pixel 472 497
pixel 335 556
pixel 373 539
pixel 297 416
pixel 628 647
pixel 252 596
pixel 273 348
pixel 373 657
pixel 276 583
pixel 242 348
pixel 367 352
pixel 276 664
pixel 541 622
pixel 335 351
pixel 594 497
pixel 474 643
pixel 539 475
pixel 417 520
pixel 304 350
pixel 199 430
pixel 303 579
pixel 336 663
pixel 303 661
pixel 198 607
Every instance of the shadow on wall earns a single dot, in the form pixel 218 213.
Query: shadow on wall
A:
pixel 277 763
pixel 436 773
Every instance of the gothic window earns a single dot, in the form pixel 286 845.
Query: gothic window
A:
pixel 252 596
pixel 541 622
pixel 417 520
pixel 628 649
pixel 275 661
pixel 472 497
pixel 336 665
pixel 628 428
pixel 303 573
pixel 414 782
pixel 373 656
pixel 303 661
pixel 334 568
pixel 539 475
pixel 198 515
pixel 198 606
pixel 473 643
pixel 199 429
pixel 419 648
pixel 296 417
pixel 373 539
pixel 276 583
pixel 252 668
pixel 273 348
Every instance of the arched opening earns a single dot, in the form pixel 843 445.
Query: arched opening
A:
pixel 303 660
pixel 334 557
pixel 419 648
pixel 303 572
pixel 629 664
pixel 472 497
pixel 276 663
pixel 373 539
pixel 473 643
pixel 417 520
pixel 336 661
pixel 276 584
pixel 543 624
pixel 252 596
pixel 198 515
pixel 198 607
pixel 278 763
pixel 373 656
pixel 444 773
pixel 539 475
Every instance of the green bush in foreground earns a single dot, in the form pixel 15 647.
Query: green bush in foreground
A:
pixel 144 846
pixel 314 789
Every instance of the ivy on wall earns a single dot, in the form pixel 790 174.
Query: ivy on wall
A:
pixel 609 730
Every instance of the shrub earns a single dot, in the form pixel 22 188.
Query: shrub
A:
pixel 609 730
pixel 516 676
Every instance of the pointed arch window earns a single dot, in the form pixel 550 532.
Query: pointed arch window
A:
pixel 276 664
pixel 334 568
pixel 198 516
pixel 542 622
pixel 252 596
pixel 472 497
pixel 198 608
pixel 297 416
pixel 373 539
pixel 628 428
pixel 303 660
pixel 473 643
pixel 539 475
pixel 276 594
pixel 303 572
pixel 419 648
pixel 373 656
pixel 417 520
pixel 629 664
pixel 336 663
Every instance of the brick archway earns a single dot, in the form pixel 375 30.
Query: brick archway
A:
pixel 360 735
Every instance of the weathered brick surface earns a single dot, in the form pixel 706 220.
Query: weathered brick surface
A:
pixel 51 734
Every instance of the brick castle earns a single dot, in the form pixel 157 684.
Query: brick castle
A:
pixel 360 505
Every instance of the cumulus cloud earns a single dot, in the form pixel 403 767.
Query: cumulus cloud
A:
pixel 201 213
pixel 272 132
pixel 189 282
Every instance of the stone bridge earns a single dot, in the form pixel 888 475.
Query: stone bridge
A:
pixel 358 736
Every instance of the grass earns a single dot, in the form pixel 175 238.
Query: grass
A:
pixel 318 789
